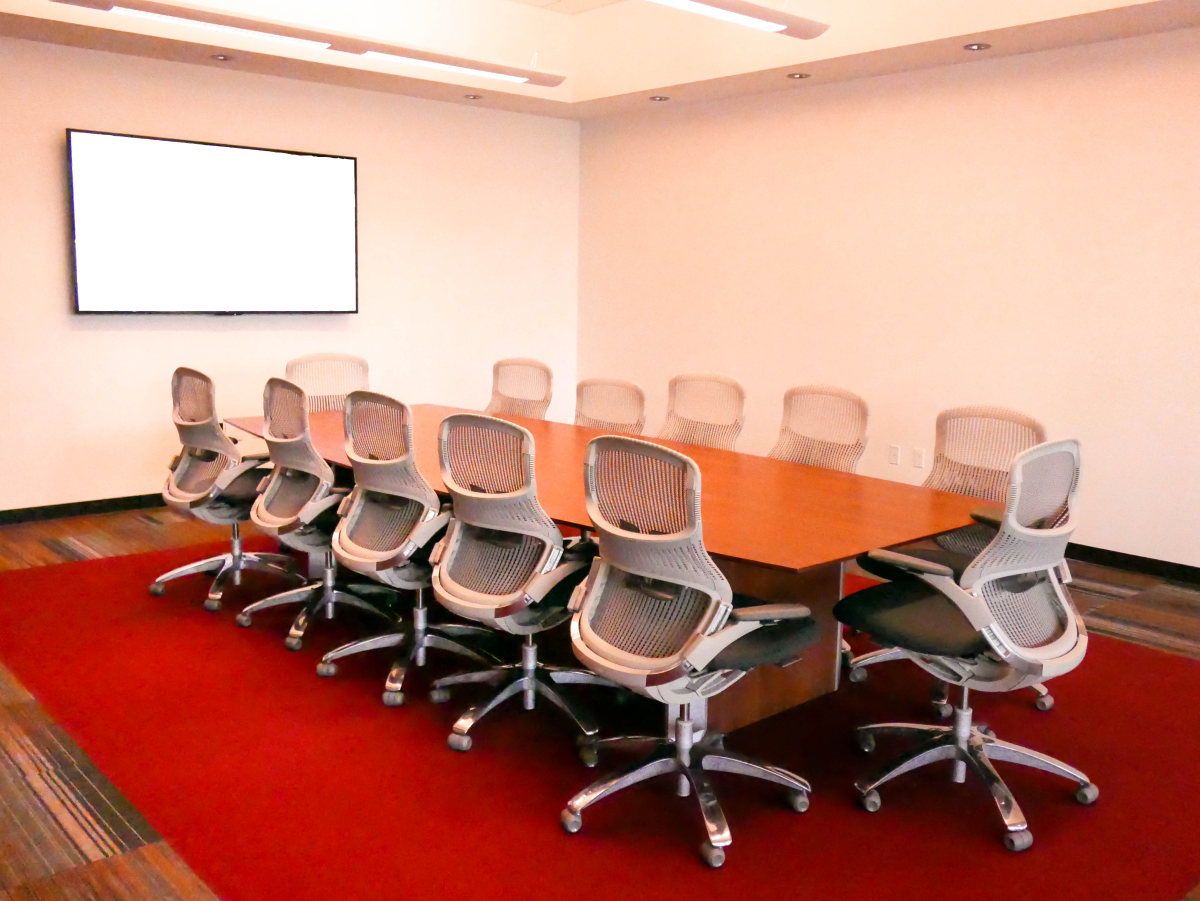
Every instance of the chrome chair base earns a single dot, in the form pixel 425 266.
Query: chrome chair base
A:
pixel 318 598
pixel 415 641
pixel 228 568
pixel 689 760
pixel 941 693
pixel 529 678
pixel 967 746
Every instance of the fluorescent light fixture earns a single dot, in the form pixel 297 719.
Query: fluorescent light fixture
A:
pixel 445 67
pixel 226 29
pixel 723 14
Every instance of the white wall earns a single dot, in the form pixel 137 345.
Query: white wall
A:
pixel 1023 231
pixel 468 240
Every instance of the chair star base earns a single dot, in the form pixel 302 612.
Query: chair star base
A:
pixel 967 747
pixel 529 678
pixel 689 762
pixel 228 568
pixel 319 598
pixel 414 641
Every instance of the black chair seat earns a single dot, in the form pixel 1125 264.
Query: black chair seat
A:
pixel 772 644
pixel 911 614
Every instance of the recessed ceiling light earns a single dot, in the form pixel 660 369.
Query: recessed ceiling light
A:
pixel 659 98
pixel 212 26
pixel 799 75
pixel 471 96
pixel 977 47
pixel 221 57
pixel 445 67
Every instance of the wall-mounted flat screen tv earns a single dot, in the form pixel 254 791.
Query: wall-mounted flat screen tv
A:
pixel 164 226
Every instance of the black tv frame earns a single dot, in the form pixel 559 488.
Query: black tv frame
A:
pixel 74 263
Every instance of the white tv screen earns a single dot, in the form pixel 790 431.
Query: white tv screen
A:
pixel 163 226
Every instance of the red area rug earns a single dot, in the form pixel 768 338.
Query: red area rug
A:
pixel 275 784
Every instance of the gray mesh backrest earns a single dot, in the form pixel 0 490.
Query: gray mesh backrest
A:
pixel 299 470
pixel 394 496
pixel 610 404
pixel 504 537
pixel 521 387
pixel 822 426
pixel 974 450
pixel 328 378
pixel 645 503
pixel 704 409
pixel 1014 573
pixel 207 452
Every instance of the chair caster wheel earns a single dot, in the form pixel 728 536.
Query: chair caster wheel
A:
pixel 212 605
pixel 712 855
pixel 292 643
pixel 943 710
pixel 1018 841
pixel 798 801
pixel 459 742
pixel 439 696
pixel 326 669
pixel 158 589
pixel 242 620
pixel 857 674
pixel 589 756
pixel 1045 702
pixel 871 802
pixel 1087 794
pixel 985 729
pixel 571 822
pixel 866 741
pixel 393 698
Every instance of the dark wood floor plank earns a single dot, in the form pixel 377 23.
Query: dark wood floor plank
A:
pixel 150 873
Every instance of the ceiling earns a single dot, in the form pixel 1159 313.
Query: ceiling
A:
pixel 585 58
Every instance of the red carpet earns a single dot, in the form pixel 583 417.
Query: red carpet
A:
pixel 274 784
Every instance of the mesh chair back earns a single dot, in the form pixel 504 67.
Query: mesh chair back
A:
pixel 822 426
pixel 504 537
pixel 328 378
pixel 704 409
pixel 610 404
pixel 300 472
pixel 1015 574
pixel 662 587
pixel 521 387
pixel 974 450
pixel 207 452
pixel 393 496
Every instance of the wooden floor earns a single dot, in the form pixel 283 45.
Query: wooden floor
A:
pixel 67 834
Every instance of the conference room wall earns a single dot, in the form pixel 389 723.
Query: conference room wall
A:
pixel 468 242
pixel 1021 231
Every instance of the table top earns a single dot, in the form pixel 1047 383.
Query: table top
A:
pixel 753 508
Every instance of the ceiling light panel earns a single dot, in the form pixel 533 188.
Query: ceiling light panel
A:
pixel 751 15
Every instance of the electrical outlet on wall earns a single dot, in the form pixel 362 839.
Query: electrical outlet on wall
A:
pixel 894 454
pixel 918 458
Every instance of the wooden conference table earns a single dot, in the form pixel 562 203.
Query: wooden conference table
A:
pixel 779 531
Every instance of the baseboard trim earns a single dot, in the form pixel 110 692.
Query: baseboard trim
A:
pixel 1176 572
pixel 81 508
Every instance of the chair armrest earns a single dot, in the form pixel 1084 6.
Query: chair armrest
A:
pixel 911 564
pixel 770 613
pixel 988 516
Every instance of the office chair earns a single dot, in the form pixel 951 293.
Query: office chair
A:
pixel 610 404
pixel 503 563
pixel 328 378
pixel 389 524
pixel 521 387
pixel 657 616
pixel 973 450
pixel 1000 623
pixel 298 503
pixel 704 409
pixel 211 480
pixel 822 426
